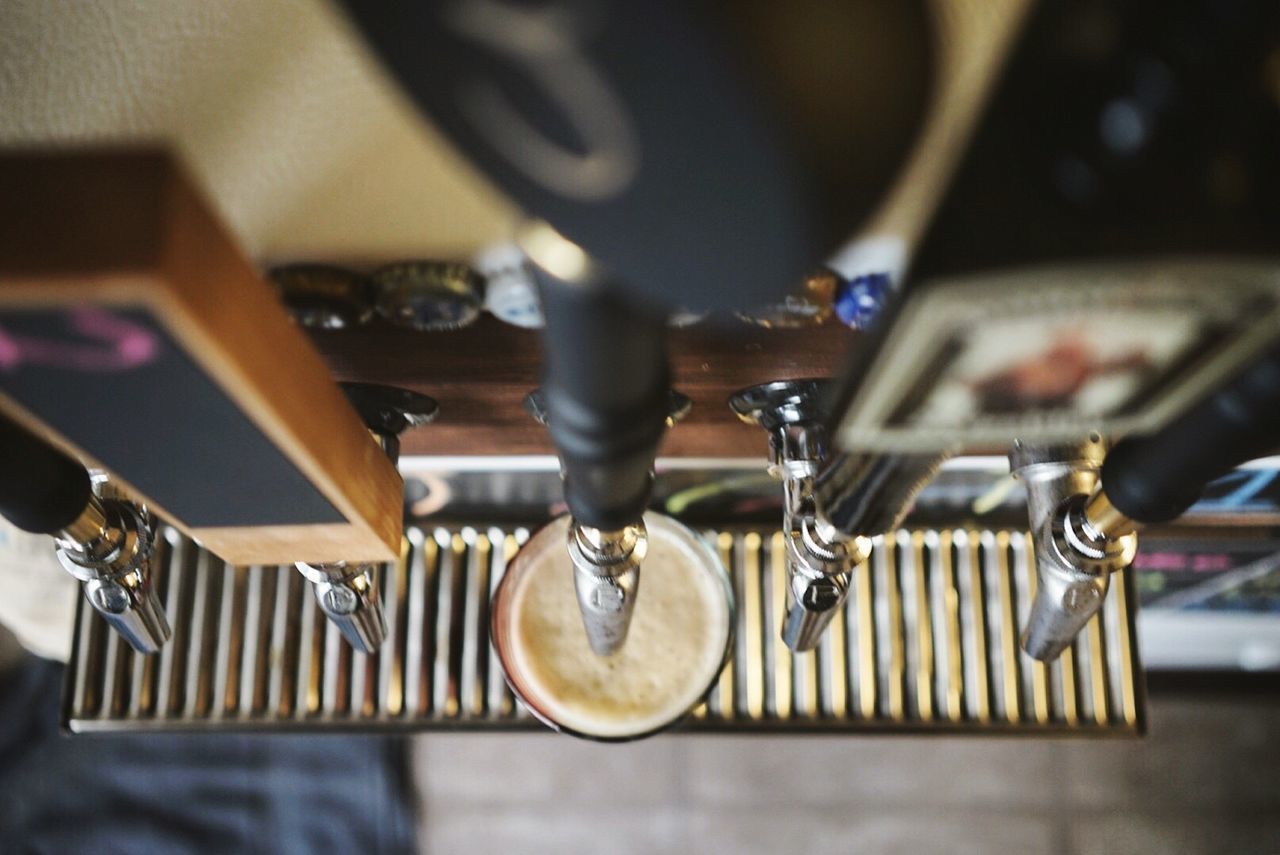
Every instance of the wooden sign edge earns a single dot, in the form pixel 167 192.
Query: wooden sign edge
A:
pixel 239 308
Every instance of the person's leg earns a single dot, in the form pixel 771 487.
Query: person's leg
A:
pixel 190 792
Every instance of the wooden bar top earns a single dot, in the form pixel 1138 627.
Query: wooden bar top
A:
pixel 480 375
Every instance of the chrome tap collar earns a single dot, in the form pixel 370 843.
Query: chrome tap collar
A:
pixel 1078 543
pixel 388 411
pixel 781 402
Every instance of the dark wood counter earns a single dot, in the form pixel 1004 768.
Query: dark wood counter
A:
pixel 480 375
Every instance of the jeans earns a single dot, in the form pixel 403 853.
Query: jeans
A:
pixel 191 793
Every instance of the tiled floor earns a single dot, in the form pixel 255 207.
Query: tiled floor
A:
pixel 1206 780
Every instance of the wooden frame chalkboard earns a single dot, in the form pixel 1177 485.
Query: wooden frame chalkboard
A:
pixel 134 335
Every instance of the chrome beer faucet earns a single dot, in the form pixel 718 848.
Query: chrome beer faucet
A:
pixel 834 502
pixel 348 593
pixel 1076 548
pixel 102 537
pixel 820 558
pixel 109 549
pixel 606 579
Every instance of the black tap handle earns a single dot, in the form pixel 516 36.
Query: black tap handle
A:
pixel 702 151
pixel 42 490
pixel 1155 478
pixel 605 386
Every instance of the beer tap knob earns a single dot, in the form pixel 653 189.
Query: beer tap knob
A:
pixel 348 593
pixel 820 559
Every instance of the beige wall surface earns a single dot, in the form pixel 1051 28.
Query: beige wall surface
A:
pixel 301 142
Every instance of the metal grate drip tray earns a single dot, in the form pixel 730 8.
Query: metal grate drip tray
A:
pixel 928 642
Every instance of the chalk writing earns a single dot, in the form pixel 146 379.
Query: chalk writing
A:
pixel 108 343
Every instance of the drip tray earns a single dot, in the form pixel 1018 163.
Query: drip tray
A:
pixel 928 643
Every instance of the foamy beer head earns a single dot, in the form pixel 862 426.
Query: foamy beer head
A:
pixel 675 648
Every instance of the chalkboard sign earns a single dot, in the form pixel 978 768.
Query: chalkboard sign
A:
pixel 115 381
pixel 135 336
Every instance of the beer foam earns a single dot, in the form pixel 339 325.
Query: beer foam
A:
pixel 674 648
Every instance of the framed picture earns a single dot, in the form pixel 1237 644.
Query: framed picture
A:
pixel 1048 355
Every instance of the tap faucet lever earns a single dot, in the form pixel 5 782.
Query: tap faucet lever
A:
pixel 606 403
pixel 606 562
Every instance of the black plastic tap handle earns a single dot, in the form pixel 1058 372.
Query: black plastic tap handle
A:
pixel 686 146
pixel 1156 478
pixel 42 490
pixel 605 385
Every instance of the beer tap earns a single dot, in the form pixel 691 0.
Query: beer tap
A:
pixel 103 539
pixel 607 567
pixel 674 176
pixel 605 402
pixel 1086 505
pixel 820 559
pixel 348 593
pixel 1071 582
pixel 833 504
